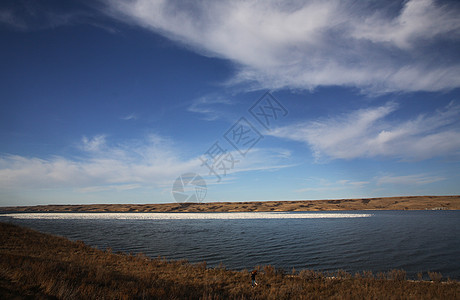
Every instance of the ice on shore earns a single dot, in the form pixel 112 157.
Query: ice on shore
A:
pixel 185 216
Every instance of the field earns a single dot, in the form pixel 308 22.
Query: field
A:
pixel 390 203
pixel 41 266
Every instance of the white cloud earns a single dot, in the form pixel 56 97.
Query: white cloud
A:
pixel 418 20
pixel 361 188
pixel 413 179
pixel 42 15
pixel 8 17
pixel 263 159
pixel 210 107
pixel 153 163
pixel 324 185
pixel 95 143
pixel 357 184
pixel 369 133
pixel 131 116
pixel 232 164
pixel 377 47
pixel 120 187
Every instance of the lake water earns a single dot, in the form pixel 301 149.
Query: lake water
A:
pixel 416 241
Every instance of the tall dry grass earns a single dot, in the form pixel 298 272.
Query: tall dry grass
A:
pixel 43 266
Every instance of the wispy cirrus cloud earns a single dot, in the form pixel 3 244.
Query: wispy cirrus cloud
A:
pixel 8 17
pixel 93 144
pixel 323 185
pixel 413 179
pixel 131 116
pixel 418 20
pixel 41 15
pixel 377 47
pixel 370 133
pixel 28 15
pixel 152 163
pixel 210 107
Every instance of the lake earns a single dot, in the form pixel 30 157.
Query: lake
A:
pixel 416 241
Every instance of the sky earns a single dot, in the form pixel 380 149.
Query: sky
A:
pixel 124 101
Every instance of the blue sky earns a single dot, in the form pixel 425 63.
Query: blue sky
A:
pixel 110 101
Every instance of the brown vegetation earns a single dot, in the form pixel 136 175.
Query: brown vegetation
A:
pixel 42 266
pixel 389 203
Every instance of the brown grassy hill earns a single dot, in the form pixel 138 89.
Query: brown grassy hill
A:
pixel 34 265
pixel 389 203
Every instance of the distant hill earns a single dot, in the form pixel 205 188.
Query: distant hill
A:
pixel 387 203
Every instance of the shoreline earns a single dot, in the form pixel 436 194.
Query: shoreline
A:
pixel 382 203
pixel 39 265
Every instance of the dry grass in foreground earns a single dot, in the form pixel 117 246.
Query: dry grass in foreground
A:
pixel 388 203
pixel 41 266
